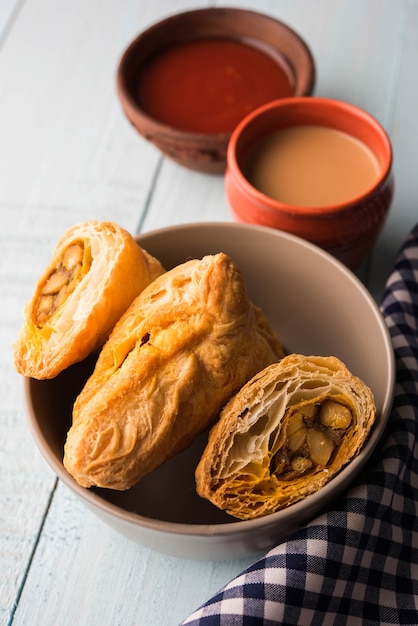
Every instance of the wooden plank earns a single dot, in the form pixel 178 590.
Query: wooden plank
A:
pixel 403 129
pixel 84 573
pixel 9 10
pixel 77 155
pixel 26 482
pixel 183 196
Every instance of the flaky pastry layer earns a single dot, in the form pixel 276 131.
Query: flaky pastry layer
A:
pixel 187 343
pixel 96 271
pixel 284 435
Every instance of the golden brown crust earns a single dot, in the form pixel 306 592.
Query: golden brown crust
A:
pixel 95 272
pixel 274 444
pixel 185 345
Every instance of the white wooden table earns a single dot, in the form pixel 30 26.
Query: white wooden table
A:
pixel 68 154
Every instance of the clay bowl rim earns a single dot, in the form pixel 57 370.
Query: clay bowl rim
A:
pixel 309 103
pixel 293 513
pixel 131 105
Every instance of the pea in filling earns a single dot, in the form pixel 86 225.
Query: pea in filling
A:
pixel 314 432
pixel 61 282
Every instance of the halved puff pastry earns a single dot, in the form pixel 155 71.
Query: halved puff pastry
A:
pixel 284 436
pixel 186 344
pixel 95 272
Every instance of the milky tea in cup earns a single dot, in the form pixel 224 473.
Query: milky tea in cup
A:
pixel 311 166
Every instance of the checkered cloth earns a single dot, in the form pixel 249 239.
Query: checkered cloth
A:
pixel 356 564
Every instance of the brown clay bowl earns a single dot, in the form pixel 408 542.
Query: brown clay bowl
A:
pixel 200 149
pixel 347 229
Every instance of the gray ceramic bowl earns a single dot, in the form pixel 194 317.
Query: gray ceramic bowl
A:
pixel 316 306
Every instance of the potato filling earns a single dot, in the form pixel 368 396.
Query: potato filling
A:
pixel 313 433
pixel 61 282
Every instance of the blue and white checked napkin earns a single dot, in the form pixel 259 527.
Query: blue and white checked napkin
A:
pixel 356 564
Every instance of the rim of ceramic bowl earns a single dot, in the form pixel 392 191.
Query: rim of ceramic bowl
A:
pixel 293 512
pixel 134 107
pixel 297 105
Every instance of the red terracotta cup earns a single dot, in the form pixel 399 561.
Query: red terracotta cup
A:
pixel 349 229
